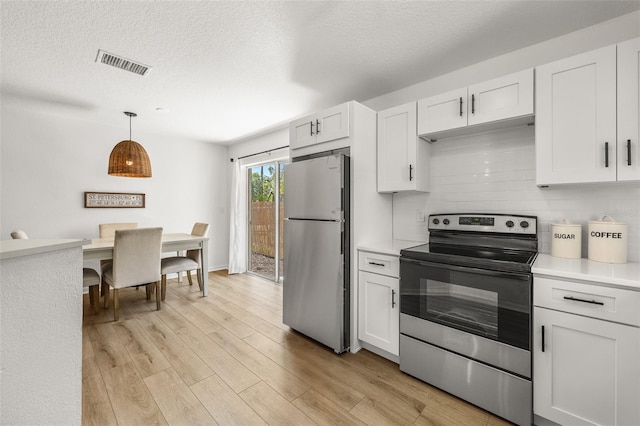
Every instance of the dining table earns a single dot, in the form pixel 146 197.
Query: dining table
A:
pixel 102 249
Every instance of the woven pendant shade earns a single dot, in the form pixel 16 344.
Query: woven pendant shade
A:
pixel 129 158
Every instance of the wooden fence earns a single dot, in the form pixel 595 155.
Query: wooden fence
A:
pixel 263 228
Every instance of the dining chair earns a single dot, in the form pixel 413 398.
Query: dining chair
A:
pixel 190 262
pixel 136 262
pixel 91 279
pixel 19 234
pixel 108 230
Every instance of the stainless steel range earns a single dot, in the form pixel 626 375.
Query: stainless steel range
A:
pixel 465 310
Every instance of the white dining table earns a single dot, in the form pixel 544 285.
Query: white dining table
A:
pixel 102 248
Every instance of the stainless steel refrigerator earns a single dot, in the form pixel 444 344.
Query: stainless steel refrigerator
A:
pixel 316 249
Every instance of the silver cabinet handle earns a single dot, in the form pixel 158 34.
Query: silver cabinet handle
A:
pixel 628 152
pixel 606 154
pixel 311 122
pixel 376 263
pixel 317 127
pixel 393 299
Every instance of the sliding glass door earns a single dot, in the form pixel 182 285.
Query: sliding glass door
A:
pixel 266 213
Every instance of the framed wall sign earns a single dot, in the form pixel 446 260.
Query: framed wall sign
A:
pixel 113 199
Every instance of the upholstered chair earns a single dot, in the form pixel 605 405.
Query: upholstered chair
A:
pixel 190 262
pixel 19 234
pixel 136 261
pixel 108 230
pixel 91 279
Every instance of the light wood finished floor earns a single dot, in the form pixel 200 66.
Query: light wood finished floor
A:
pixel 227 359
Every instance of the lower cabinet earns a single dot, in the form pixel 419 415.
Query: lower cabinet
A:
pixel 378 304
pixel 586 370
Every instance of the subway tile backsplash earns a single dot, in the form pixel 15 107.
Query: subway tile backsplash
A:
pixel 495 173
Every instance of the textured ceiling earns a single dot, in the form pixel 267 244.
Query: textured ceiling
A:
pixel 228 69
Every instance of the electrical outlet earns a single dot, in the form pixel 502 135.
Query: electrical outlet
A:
pixel 420 215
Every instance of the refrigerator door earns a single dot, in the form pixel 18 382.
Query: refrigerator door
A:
pixel 314 188
pixel 314 287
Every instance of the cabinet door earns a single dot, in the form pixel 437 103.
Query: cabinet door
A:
pixel 505 97
pixel 443 112
pixel 379 313
pixel 628 112
pixel 576 119
pixel 333 123
pixel 302 132
pixel 588 373
pixel 397 141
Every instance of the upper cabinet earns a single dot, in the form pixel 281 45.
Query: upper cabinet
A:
pixel 325 126
pixel 579 136
pixel 403 159
pixel 628 112
pixel 503 101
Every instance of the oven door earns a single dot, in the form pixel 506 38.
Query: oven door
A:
pixel 490 304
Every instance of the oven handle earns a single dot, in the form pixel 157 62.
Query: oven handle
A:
pixel 467 269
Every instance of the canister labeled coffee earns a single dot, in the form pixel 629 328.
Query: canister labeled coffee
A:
pixel 566 240
pixel 607 240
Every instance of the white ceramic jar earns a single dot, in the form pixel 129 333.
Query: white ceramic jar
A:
pixel 566 240
pixel 608 240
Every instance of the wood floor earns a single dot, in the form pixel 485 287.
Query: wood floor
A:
pixel 227 359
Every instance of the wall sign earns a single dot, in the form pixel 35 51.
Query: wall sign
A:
pixel 113 199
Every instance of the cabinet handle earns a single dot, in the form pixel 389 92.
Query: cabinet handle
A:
pixel 393 299
pixel 543 338
pixel 593 302
pixel 410 172
pixel 473 104
pixel 606 154
pixel 628 152
pixel 460 106
pixel 317 127
pixel 376 263
pixel 311 122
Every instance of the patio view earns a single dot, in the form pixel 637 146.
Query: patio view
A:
pixel 266 214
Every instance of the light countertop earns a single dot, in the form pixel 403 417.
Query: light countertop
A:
pixel 390 247
pixel 16 248
pixel 623 275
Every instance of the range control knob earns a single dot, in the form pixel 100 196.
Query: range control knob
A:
pixel 524 224
pixel 446 221
pixel 509 224
pixel 436 221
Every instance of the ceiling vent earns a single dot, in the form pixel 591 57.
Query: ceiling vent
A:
pixel 122 63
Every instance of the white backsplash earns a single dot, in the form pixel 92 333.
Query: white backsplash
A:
pixel 495 173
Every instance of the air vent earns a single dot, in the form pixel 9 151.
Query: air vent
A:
pixel 122 63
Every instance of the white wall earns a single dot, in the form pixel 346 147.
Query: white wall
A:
pixel 495 173
pixel 50 156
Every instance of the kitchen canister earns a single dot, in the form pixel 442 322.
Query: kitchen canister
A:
pixel 566 240
pixel 607 240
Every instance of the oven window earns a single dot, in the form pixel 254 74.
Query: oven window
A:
pixel 490 304
pixel 465 308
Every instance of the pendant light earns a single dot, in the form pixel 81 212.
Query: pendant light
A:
pixel 129 158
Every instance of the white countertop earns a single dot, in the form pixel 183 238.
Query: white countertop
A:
pixel 16 248
pixel 391 247
pixel 623 275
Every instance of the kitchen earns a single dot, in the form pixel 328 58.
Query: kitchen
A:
pixel 494 171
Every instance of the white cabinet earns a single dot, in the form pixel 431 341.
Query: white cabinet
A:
pixel 325 126
pixel 403 159
pixel 378 303
pixel 579 136
pixel 586 353
pixel 498 102
pixel 628 110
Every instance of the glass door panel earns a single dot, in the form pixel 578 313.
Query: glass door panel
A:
pixel 266 192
